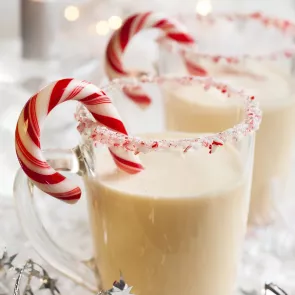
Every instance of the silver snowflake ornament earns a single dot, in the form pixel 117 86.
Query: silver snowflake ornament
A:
pixel 118 291
pixel 119 288
pixel 6 260
pixel 49 283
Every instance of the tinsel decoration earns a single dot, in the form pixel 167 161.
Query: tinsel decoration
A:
pixel 32 270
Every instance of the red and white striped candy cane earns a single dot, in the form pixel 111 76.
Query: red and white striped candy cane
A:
pixel 32 117
pixel 120 39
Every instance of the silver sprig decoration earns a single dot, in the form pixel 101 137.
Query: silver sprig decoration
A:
pixel 276 290
pixel 28 272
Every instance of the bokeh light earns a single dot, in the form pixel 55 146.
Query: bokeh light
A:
pixel 115 22
pixel 204 7
pixel 102 28
pixel 71 13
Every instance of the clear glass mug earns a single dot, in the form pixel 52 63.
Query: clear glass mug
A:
pixel 255 53
pixel 176 227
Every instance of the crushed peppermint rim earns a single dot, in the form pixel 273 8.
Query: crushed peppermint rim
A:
pixel 282 25
pixel 94 133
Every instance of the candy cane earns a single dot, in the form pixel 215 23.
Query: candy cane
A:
pixel 193 68
pixel 120 39
pixel 27 135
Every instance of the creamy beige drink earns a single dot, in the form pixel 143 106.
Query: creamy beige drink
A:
pixel 175 228
pixel 188 109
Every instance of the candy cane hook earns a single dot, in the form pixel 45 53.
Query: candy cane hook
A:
pixel 120 39
pixel 30 122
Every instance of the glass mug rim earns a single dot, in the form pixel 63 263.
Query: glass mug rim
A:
pixel 92 132
pixel 282 25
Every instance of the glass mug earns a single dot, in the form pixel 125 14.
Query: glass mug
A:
pixel 177 226
pixel 255 53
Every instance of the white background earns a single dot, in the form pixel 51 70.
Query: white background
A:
pixel 9 9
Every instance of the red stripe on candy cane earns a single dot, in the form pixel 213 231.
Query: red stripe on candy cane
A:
pixel 120 39
pixel 94 99
pixel 180 37
pixel 27 135
pixel 114 63
pixel 125 32
pixel 132 167
pixel 41 178
pixel 111 123
pixel 28 156
pixel 193 68
pixel 137 94
pixel 57 93
pixel 75 92
pixel 142 21
pixel 32 126
pixel 69 196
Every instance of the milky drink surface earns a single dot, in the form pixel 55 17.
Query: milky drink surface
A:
pixel 175 228
pixel 190 109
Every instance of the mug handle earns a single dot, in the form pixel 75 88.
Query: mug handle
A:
pixel 82 272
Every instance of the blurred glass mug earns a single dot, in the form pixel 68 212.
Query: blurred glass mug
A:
pixel 175 227
pixel 255 53
pixel 250 51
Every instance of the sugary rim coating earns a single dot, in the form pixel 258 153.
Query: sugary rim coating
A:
pixel 284 26
pixel 93 132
